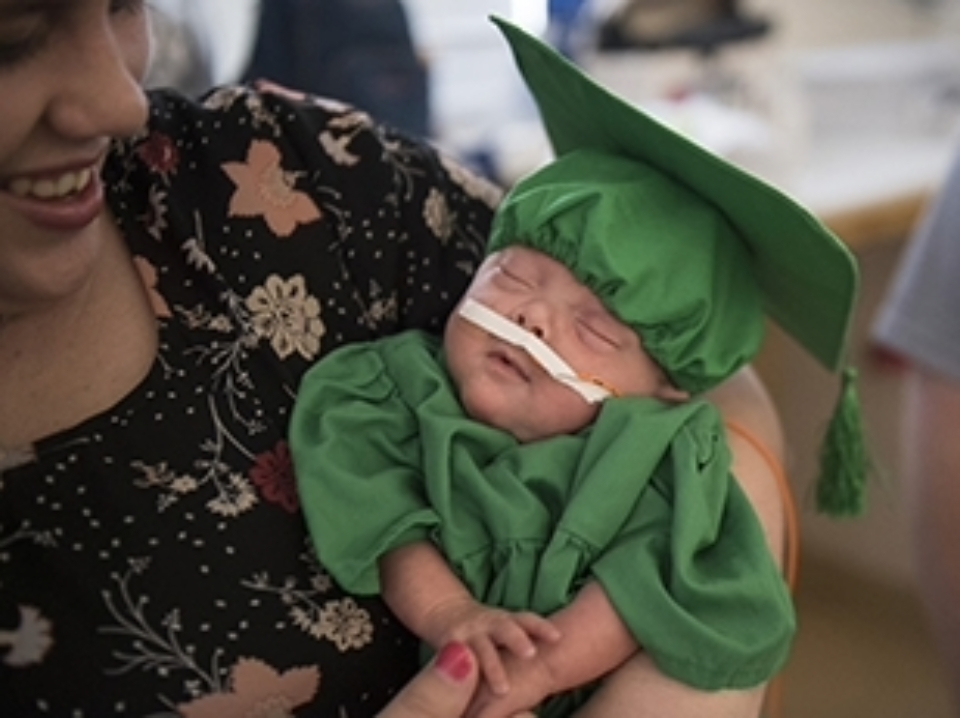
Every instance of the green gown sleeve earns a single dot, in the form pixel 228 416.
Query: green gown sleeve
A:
pixel 689 569
pixel 355 447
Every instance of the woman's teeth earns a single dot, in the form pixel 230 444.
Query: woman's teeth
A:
pixel 52 188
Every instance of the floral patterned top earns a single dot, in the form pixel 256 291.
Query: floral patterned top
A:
pixel 153 560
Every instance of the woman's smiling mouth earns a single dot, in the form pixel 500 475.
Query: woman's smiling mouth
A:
pixel 62 200
pixel 52 188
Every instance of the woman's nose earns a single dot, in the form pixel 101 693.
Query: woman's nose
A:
pixel 100 91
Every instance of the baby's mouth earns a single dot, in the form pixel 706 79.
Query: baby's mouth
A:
pixel 53 188
pixel 506 360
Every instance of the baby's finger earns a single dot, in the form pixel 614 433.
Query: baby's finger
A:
pixel 491 667
pixel 513 637
pixel 538 627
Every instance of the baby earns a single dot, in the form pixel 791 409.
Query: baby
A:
pixel 540 484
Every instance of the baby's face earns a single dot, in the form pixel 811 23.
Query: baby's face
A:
pixel 500 384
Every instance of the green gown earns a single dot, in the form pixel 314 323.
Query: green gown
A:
pixel 642 501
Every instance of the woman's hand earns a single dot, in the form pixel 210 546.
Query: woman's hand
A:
pixel 491 634
pixel 443 689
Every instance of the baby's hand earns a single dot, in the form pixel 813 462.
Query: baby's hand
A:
pixel 487 631
pixel 531 682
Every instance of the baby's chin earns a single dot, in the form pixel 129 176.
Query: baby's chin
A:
pixel 484 414
pixel 522 424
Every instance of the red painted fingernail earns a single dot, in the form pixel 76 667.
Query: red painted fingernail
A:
pixel 456 661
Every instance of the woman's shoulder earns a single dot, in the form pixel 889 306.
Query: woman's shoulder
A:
pixel 285 145
pixel 285 195
pixel 305 128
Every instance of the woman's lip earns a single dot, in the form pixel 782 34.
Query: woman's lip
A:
pixel 69 213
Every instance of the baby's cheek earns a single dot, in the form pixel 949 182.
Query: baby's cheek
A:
pixel 566 412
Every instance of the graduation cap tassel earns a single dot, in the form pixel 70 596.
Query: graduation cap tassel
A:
pixel 844 464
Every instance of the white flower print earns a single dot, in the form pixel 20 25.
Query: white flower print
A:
pixel 336 147
pixel 172 486
pixel 224 98
pixel 284 313
pixel 346 624
pixel 156 220
pixel 380 308
pixel 235 497
pixel 352 120
pixel 437 215
pixel 233 493
pixel 29 642
pixel 250 687
pixel 196 248
pixel 197 256
pixel 473 184
pixel 24 532
pixel 159 650
pixel 341 622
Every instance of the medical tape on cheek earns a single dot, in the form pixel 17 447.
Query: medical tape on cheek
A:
pixel 514 334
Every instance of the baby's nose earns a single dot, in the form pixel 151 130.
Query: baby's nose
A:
pixel 531 325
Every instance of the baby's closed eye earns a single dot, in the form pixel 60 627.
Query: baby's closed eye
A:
pixel 598 332
pixel 511 279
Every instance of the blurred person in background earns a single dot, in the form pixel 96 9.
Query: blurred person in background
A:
pixel 358 51
pixel 920 323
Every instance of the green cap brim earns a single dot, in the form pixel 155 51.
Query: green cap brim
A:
pixel 807 276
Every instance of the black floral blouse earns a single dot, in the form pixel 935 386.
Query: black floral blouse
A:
pixel 153 560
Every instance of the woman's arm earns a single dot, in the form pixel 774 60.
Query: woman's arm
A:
pixel 744 402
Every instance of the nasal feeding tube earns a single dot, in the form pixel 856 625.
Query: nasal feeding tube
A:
pixel 502 328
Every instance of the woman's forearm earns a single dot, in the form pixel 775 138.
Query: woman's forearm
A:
pixel 640 690
pixel 594 640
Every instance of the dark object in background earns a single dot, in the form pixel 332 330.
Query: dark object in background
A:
pixel 702 25
pixel 566 26
pixel 357 51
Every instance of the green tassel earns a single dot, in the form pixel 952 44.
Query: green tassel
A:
pixel 841 488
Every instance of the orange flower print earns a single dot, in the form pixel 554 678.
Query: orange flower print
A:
pixel 257 691
pixel 272 473
pixel 29 642
pixel 265 190
pixel 148 275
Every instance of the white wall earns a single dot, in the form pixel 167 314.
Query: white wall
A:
pixel 805 24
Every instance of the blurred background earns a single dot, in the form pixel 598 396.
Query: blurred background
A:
pixel 852 106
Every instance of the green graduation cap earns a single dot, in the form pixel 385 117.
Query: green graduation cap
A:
pixel 686 248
